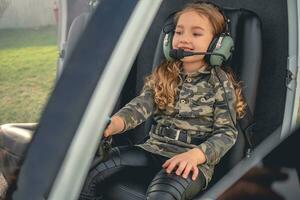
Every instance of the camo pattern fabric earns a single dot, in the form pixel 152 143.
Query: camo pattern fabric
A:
pixel 200 109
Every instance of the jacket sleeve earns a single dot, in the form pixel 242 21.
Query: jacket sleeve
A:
pixel 224 131
pixel 138 109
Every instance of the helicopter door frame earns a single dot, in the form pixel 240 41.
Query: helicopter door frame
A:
pixel 293 72
pixel 71 127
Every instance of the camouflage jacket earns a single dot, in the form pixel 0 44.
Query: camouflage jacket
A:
pixel 200 109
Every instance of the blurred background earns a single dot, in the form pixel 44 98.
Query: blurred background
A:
pixel 28 57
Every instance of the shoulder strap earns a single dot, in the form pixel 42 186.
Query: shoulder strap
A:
pixel 246 123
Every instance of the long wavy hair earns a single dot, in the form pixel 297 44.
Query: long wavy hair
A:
pixel 165 77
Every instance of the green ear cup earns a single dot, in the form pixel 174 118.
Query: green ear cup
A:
pixel 167 45
pixel 224 46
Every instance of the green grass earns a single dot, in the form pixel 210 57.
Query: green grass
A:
pixel 27 72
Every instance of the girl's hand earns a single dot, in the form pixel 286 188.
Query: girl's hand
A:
pixel 116 126
pixel 185 163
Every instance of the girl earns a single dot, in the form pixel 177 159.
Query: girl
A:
pixel 194 121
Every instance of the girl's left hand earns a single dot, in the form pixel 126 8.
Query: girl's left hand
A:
pixel 185 163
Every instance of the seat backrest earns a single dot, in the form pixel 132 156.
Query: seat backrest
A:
pixel 246 30
pixel 76 29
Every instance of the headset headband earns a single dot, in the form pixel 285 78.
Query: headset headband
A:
pixel 226 20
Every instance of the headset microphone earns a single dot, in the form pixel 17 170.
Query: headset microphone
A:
pixel 178 54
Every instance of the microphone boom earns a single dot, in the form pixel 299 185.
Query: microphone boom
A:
pixel 178 54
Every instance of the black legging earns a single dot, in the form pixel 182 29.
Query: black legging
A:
pixel 163 186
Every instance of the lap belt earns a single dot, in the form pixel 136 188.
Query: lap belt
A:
pixel 177 134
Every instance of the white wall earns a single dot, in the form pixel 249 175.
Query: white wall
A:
pixel 27 13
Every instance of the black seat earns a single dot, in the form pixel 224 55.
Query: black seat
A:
pixel 245 29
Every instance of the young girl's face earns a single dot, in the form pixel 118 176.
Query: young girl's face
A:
pixel 193 33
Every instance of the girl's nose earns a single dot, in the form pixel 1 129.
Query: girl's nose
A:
pixel 184 38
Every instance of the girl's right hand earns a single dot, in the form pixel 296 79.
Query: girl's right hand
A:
pixel 116 126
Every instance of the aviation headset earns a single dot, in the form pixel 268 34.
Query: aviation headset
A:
pixel 219 49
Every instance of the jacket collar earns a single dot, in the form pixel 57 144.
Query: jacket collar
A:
pixel 205 69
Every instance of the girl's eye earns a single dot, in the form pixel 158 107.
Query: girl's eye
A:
pixel 197 34
pixel 178 32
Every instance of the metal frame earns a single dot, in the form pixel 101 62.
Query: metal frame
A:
pixel 66 185
pixel 62 33
pixel 293 74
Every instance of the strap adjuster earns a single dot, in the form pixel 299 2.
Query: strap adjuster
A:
pixel 170 133
pixel 177 134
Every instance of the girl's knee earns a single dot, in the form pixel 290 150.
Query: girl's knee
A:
pixel 166 186
pixel 97 175
pixel 173 187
